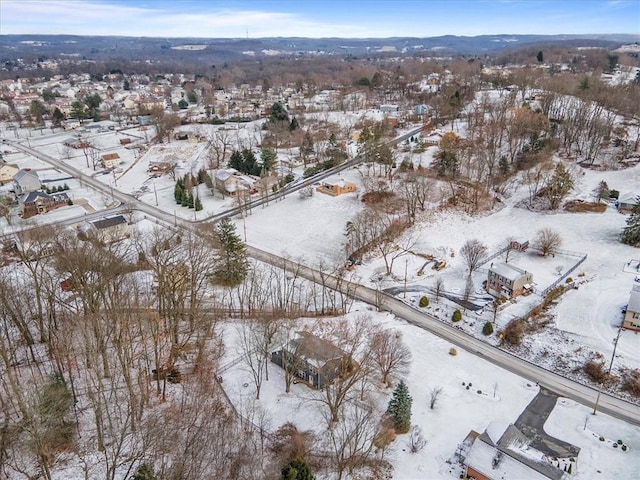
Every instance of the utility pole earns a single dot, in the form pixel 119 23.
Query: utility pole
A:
pixel 613 356
pixel 406 262
pixel 155 192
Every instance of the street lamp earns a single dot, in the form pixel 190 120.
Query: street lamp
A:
pixel 613 355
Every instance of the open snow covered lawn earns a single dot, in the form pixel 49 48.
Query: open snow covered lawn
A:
pixel 309 229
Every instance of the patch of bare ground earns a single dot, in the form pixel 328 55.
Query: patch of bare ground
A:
pixel 580 206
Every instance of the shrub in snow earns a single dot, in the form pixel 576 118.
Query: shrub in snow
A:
pixel 424 301
pixel 596 371
pixel 631 382
pixel 457 316
pixel 569 280
pixel 144 472
pixel 514 332
pixel 416 440
pixel 386 434
pixel 297 469
pixel 487 329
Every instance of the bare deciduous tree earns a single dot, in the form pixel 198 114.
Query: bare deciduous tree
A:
pixel 416 441
pixel 353 339
pixel 473 251
pixel 390 354
pixel 351 441
pixel 251 343
pixel 434 394
pixel 547 241
pixel 439 287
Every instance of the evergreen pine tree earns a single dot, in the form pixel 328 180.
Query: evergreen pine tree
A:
pixel 297 469
pixel 233 267
pixel 57 117
pixel 177 192
pixel 400 408
pixel 184 200
pixel 236 160
pixel 198 204
pixel 631 233
pixel 190 200
pixel 144 472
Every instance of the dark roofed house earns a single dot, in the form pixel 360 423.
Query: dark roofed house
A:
pixel 109 229
pixel 313 359
pixel 38 202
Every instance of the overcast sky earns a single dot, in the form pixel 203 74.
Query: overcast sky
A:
pixel 314 18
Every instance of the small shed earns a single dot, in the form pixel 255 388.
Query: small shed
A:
pixel 627 202
pixel 519 245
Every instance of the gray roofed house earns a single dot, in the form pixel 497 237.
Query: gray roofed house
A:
pixel 25 181
pixel 506 453
pixel 230 182
pixel 508 280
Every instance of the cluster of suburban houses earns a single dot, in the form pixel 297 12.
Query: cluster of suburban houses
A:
pixel 28 190
pixel 145 94
pixel 231 182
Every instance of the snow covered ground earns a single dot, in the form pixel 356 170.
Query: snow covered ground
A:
pixel 312 230
pixel 504 396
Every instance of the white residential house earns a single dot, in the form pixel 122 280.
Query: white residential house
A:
pixel 632 315
pixel 107 230
pixel 231 182
pixel 26 181
pixel 110 160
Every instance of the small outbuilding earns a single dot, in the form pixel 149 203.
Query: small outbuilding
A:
pixel 627 202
